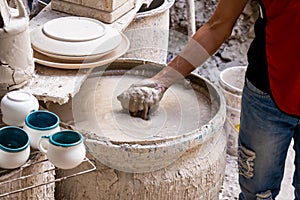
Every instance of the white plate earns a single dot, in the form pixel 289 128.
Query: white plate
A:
pixel 74 29
pixel 109 58
pixel 102 45
pixel 72 58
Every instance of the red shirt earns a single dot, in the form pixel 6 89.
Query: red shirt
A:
pixel 281 40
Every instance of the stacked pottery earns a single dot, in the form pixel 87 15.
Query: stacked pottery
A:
pixel 77 42
pixel 16 58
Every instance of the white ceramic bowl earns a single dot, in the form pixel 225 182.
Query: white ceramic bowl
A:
pixel 16 105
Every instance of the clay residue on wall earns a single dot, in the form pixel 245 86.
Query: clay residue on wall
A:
pixel 198 174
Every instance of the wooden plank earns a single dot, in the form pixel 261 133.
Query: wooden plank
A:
pixel 104 5
pixel 84 11
pixel 48 14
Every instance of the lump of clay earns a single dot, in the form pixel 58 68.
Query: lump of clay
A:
pixel 141 99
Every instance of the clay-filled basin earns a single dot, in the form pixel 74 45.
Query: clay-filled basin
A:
pixel 190 112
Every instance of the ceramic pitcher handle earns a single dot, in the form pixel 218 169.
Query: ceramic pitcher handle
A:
pixel 40 145
pixel 4 12
pixel 21 8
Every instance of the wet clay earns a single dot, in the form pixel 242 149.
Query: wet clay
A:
pixel 180 111
pixel 141 99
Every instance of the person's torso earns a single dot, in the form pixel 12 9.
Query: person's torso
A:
pixel 274 59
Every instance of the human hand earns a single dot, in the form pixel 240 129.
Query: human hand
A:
pixel 142 98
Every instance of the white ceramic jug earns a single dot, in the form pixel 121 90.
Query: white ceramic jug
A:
pixel 16 54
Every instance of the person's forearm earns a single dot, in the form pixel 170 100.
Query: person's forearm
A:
pixel 193 55
pixel 203 44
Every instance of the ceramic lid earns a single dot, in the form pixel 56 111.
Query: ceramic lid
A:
pixel 76 29
pixel 75 44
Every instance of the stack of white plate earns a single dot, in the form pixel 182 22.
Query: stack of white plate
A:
pixel 77 42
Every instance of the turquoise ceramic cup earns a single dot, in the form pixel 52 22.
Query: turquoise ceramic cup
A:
pixel 39 123
pixel 65 149
pixel 14 147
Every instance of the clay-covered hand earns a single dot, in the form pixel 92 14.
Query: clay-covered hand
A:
pixel 142 98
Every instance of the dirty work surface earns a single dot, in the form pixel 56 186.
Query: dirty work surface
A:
pixel 56 85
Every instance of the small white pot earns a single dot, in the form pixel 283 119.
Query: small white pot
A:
pixel 16 105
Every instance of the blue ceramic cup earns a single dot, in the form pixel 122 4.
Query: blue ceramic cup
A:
pixel 65 149
pixel 14 147
pixel 39 123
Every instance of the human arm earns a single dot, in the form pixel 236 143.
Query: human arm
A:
pixel 205 42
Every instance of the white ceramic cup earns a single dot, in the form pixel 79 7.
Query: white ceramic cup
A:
pixel 16 105
pixel 39 123
pixel 65 149
pixel 14 147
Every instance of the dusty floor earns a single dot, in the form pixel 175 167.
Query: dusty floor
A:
pixel 230 189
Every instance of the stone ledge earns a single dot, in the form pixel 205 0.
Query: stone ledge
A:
pixel 56 85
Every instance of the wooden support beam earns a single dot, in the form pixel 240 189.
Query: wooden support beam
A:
pixel 191 17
